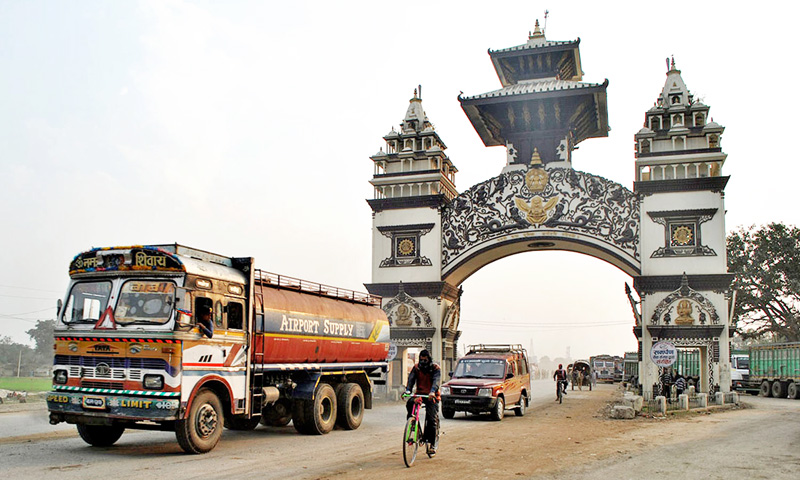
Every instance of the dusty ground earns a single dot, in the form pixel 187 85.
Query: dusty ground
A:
pixel 573 440
pixel 550 440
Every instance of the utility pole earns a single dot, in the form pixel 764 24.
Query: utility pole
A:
pixel 19 361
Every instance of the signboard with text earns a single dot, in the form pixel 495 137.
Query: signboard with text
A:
pixel 664 354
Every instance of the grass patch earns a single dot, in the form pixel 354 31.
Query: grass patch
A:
pixel 26 384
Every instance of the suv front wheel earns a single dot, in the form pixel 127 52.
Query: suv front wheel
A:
pixel 499 409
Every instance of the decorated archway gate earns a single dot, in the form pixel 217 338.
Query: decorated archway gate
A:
pixel 667 233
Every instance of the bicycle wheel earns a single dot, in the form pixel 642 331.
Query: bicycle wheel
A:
pixel 411 437
pixel 560 393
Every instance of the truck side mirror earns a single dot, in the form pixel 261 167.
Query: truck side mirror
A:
pixel 450 374
pixel 509 375
pixel 181 307
pixel 59 306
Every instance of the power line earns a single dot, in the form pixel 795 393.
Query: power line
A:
pixel 29 288
pixel 26 313
pixel 30 298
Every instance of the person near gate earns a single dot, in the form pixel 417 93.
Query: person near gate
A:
pixel 426 376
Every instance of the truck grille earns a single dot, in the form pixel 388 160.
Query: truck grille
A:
pixel 109 385
pixel 464 391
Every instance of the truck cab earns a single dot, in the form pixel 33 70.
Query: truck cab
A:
pixel 489 378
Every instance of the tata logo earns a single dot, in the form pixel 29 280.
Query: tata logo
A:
pixel 103 348
pixel 102 370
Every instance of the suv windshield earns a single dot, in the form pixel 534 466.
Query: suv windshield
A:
pixel 86 302
pixel 479 368
pixel 145 301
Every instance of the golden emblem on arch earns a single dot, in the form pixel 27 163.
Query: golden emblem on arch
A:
pixel 536 179
pixel 684 313
pixel 537 211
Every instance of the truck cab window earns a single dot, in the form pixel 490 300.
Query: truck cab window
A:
pixel 235 315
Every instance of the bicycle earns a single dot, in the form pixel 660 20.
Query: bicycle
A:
pixel 562 385
pixel 413 435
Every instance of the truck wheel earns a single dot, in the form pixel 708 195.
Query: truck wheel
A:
pixel 299 416
pixel 448 413
pixel 319 415
pixel 201 430
pixel 522 406
pixel 766 389
pixel 779 389
pixel 100 435
pixel 350 404
pixel 499 409
pixel 793 391
pixel 241 423
pixel 278 414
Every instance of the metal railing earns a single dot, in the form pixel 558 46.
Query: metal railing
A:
pixel 268 279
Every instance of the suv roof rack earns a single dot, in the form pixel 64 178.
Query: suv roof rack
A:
pixel 498 347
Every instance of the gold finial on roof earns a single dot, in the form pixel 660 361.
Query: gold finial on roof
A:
pixel 535 158
pixel 537 32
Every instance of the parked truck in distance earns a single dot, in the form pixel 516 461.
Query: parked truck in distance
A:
pixel 774 371
pixel 130 352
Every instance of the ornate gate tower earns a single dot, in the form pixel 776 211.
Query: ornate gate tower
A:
pixel 413 181
pixel 684 277
pixel 668 234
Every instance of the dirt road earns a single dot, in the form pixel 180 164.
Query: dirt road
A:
pixel 572 440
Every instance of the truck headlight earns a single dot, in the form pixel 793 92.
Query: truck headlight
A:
pixel 445 390
pixel 60 377
pixel 153 382
pixel 485 392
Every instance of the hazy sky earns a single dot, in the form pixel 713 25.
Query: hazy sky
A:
pixel 246 129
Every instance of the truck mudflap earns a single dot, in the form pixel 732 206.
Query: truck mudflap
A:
pixel 112 406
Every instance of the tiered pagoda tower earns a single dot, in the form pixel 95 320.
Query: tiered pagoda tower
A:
pixel 413 179
pixel 684 275
pixel 543 104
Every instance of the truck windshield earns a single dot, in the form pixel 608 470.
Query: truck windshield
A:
pixel 145 301
pixel 86 302
pixel 480 368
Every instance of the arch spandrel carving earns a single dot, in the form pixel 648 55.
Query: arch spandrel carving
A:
pixel 403 311
pixel 572 209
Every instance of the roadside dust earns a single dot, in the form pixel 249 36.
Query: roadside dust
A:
pixel 550 439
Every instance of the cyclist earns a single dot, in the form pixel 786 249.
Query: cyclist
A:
pixel 561 380
pixel 426 375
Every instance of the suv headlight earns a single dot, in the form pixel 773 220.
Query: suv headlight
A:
pixel 153 382
pixel 60 377
pixel 445 390
pixel 485 392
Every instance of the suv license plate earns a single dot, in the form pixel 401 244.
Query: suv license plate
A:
pixel 460 401
pixel 97 403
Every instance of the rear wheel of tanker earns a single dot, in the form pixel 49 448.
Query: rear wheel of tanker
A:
pixel 299 416
pixel 100 435
pixel 279 414
pixel 242 423
pixel 350 405
pixel 779 389
pixel 319 415
pixel 448 413
pixel 793 391
pixel 200 431
pixel 766 389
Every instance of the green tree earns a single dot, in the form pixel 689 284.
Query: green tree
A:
pixel 765 261
pixel 42 335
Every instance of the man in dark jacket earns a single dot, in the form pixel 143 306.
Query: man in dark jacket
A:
pixel 426 375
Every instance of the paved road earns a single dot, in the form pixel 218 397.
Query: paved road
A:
pixel 763 442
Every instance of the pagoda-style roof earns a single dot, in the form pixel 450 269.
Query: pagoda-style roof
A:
pixel 543 105
pixel 537 59
pixel 565 105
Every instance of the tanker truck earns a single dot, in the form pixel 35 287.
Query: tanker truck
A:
pixel 132 353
